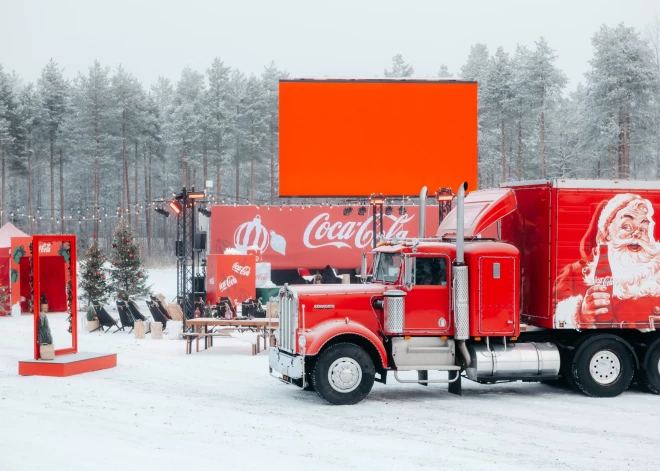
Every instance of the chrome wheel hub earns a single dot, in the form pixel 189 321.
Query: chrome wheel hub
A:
pixel 344 375
pixel 605 367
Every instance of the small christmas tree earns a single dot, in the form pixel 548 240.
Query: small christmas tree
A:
pixel 127 275
pixel 43 333
pixel 94 283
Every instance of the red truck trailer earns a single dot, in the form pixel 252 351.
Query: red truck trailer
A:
pixel 556 280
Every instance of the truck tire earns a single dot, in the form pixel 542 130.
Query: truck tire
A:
pixel 604 368
pixel 651 375
pixel 343 374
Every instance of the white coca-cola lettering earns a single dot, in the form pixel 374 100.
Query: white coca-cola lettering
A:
pixel 322 233
pixel 604 281
pixel 228 283
pixel 44 248
pixel 244 271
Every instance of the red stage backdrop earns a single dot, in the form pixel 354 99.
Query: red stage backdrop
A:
pixel 232 276
pixel 308 238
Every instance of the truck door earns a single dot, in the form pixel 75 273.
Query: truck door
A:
pixel 427 303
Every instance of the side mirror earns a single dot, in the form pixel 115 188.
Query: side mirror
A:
pixel 363 268
pixel 408 264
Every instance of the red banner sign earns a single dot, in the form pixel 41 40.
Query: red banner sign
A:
pixel 311 237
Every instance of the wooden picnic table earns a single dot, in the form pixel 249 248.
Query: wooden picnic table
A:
pixel 263 326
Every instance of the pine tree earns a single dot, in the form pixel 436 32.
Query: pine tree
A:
pixel 44 335
pixel 127 275
pixel 94 283
pixel 399 68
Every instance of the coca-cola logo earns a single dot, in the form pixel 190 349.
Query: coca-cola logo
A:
pixel 44 248
pixel 228 283
pixel 604 281
pixel 262 276
pixel 250 234
pixel 322 232
pixel 243 271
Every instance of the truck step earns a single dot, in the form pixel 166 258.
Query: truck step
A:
pixel 429 350
pixel 429 368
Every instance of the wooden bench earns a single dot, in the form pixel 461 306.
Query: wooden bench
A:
pixel 190 336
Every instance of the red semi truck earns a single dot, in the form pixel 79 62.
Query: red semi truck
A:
pixel 538 281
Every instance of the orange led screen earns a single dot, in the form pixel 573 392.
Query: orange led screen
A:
pixel 357 137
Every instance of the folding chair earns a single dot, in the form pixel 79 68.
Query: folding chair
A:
pixel 156 314
pixel 125 316
pixel 105 319
pixel 305 275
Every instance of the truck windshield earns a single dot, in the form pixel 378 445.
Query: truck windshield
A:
pixel 387 267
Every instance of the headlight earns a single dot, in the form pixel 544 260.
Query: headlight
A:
pixel 302 341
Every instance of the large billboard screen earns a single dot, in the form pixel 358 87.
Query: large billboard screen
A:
pixel 357 137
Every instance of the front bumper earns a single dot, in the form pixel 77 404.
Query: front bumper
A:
pixel 285 366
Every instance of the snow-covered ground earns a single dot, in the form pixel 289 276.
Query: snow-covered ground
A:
pixel 162 409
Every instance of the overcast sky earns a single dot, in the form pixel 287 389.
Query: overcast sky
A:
pixel 338 38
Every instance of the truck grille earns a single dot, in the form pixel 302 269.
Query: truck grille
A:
pixel 288 311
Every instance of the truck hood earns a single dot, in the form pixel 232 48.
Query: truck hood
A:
pixel 338 290
pixel 482 209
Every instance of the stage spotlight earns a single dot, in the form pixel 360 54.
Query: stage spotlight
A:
pixel 388 211
pixel 163 212
pixel 196 195
pixel 362 211
pixel 402 210
pixel 348 211
pixel 176 207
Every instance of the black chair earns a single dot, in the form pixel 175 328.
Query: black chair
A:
pixel 105 319
pixel 161 307
pixel 156 314
pixel 137 315
pixel 125 316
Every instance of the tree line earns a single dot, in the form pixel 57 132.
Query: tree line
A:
pixel 79 153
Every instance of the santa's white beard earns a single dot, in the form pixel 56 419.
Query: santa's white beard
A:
pixel 634 274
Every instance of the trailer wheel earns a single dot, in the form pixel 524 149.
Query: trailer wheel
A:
pixel 603 369
pixel 343 374
pixel 651 375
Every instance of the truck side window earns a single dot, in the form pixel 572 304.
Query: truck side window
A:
pixel 431 271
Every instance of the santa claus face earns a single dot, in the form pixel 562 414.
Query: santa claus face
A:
pixel 629 233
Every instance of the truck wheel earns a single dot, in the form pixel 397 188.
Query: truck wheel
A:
pixel 343 374
pixel 603 369
pixel 651 376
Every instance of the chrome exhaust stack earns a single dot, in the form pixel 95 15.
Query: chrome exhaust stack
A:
pixel 422 213
pixel 461 292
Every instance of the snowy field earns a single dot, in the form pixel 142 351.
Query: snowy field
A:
pixel 162 409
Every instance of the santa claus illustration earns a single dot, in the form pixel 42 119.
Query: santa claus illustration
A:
pixel 624 227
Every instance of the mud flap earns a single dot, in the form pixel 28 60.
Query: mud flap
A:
pixel 455 387
pixel 423 375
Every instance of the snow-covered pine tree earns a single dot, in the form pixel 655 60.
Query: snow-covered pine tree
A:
pixel 400 69
pixel 271 78
pixel 127 275
pixel 621 86
pixel 94 283
pixel 256 126
pixel 217 110
pixel 545 83
pixel 53 94
pixel 498 98
pixel 94 105
pixel 443 72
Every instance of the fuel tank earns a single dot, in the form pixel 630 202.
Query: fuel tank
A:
pixel 528 360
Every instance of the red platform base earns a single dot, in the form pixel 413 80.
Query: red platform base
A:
pixel 68 365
